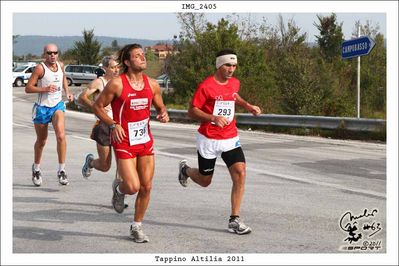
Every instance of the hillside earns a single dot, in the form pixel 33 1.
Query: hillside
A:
pixel 33 44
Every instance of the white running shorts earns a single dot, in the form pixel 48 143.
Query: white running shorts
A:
pixel 212 148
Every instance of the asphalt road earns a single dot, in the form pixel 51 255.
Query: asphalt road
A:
pixel 298 192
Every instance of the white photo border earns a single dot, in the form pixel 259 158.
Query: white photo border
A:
pixel 390 8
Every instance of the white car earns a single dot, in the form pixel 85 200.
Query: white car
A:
pixel 21 74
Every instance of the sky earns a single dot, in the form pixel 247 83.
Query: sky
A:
pixel 163 26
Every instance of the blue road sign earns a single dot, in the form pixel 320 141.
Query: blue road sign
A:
pixel 357 47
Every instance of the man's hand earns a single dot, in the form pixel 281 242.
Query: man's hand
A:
pixel 255 110
pixel 50 88
pixel 118 134
pixel 69 96
pixel 163 117
pixel 220 121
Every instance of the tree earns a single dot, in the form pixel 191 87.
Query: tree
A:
pixel 69 56
pixel 111 50
pixel 257 77
pixel 191 24
pixel 295 70
pixel 331 36
pixel 114 45
pixel 290 37
pixel 88 50
pixel 336 75
pixel 197 48
pixel 150 56
pixel 368 29
pixel 298 78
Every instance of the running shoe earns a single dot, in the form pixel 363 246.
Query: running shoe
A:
pixel 182 177
pixel 238 227
pixel 117 176
pixel 137 234
pixel 36 177
pixel 62 178
pixel 86 169
pixel 118 200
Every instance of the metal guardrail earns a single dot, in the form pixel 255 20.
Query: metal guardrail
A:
pixel 293 121
pixel 297 121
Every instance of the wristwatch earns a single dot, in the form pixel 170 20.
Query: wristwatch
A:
pixel 112 126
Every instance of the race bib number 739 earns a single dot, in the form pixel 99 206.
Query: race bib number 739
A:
pixel 138 132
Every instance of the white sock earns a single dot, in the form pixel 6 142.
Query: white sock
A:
pixel 136 224
pixel 61 167
pixel 36 167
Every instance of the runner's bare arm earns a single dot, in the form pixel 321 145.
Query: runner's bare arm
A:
pixel 112 90
pixel 255 110
pixel 91 89
pixel 68 94
pixel 199 115
pixel 162 114
pixel 32 87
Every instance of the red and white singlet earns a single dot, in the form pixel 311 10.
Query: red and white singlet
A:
pixel 132 111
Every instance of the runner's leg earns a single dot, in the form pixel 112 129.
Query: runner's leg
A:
pixel 199 175
pixel 41 139
pixel 103 163
pixel 58 121
pixel 145 168
pixel 127 170
pixel 195 175
pixel 237 173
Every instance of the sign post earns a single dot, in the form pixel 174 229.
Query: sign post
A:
pixel 356 48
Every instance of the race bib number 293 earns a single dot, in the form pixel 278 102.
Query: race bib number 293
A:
pixel 224 108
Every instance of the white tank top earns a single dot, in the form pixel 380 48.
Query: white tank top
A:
pixel 50 77
pixel 108 108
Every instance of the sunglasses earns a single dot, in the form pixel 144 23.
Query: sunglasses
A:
pixel 51 52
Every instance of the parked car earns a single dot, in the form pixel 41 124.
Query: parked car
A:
pixel 80 74
pixel 22 73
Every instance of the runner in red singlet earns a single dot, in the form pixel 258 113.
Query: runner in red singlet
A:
pixel 131 95
pixel 214 104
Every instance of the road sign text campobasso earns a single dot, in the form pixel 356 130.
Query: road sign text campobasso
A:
pixel 355 47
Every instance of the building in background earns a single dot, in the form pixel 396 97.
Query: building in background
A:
pixel 161 50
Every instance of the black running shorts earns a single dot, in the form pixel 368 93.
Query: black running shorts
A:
pixel 101 133
pixel 207 166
